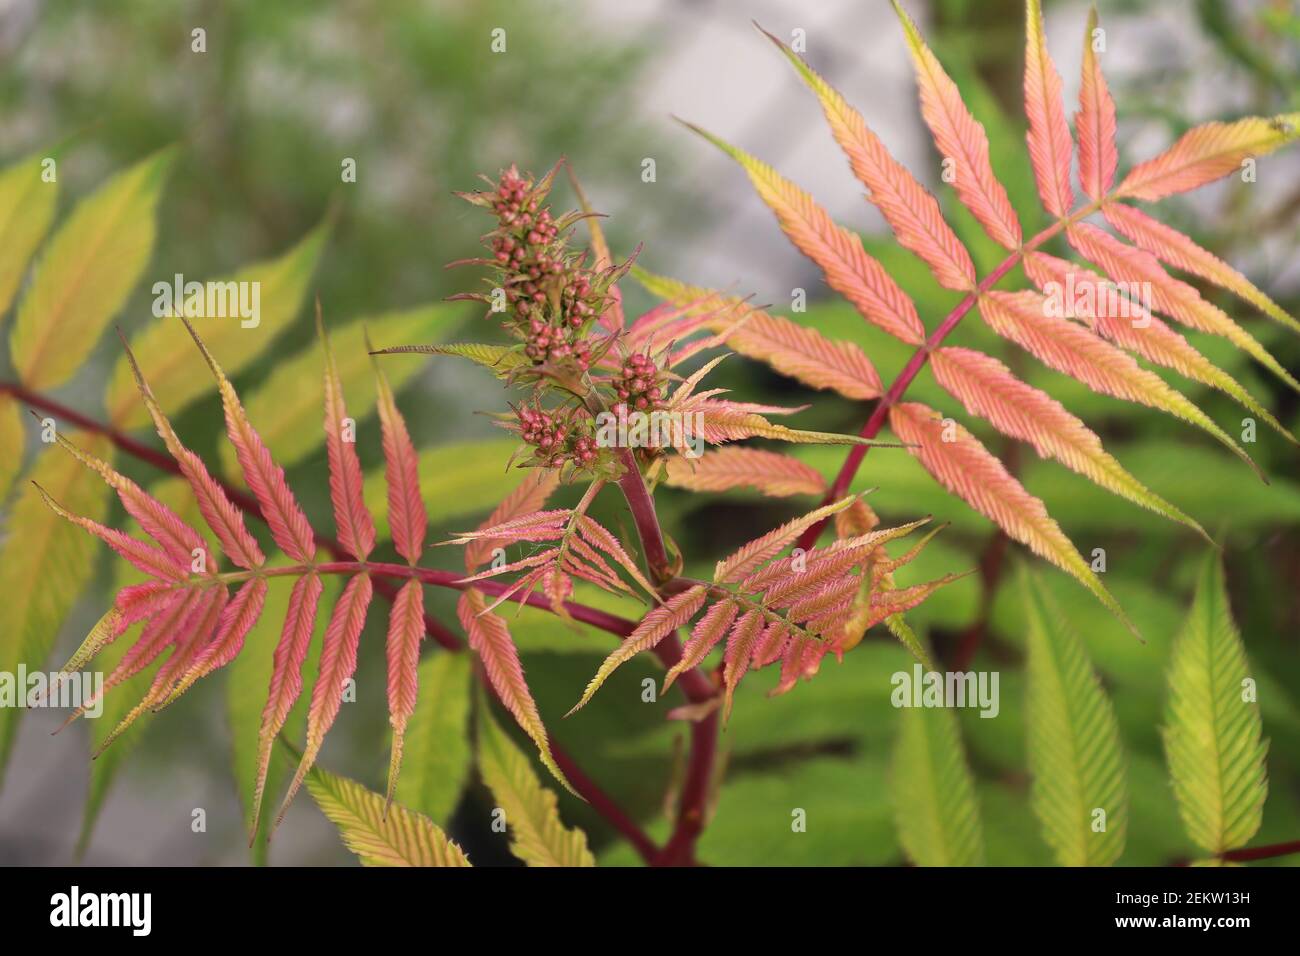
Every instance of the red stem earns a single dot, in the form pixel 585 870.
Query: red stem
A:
pixel 839 488
pixel 643 513
pixel 619 626
pixel 593 794
pixel 1261 852
pixel 680 849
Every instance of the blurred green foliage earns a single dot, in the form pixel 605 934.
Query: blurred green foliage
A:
pixel 287 91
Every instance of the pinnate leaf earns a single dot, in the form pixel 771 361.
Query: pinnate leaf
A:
pixel 338 661
pixel 225 520
pixel 489 637
pixel 1027 319
pixel 1050 147
pixel 1172 247
pixel 27 204
pixel 1073 740
pixel 263 691
pixel 737 467
pixel 437 753
pixel 406 513
pixel 288 415
pixel 958 461
pixel 378 835
pixel 961 139
pixel 911 210
pixel 1207 152
pixel 654 627
pixel 1094 124
pixel 836 251
pixel 405 631
pixel 163 347
pixel 1130 326
pixel 537 835
pixel 356 529
pixel 1212 729
pixel 932 790
pixel 85 274
pixel 1170 296
pixel 44 565
pixel 802 353
pixel 988 388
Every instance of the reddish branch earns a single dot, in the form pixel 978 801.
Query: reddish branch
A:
pixel 913 367
pixel 917 362
pixel 643 513
pixel 1261 852
pixel 680 849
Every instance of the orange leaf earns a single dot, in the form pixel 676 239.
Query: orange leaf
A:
pixel 957 460
pixel 960 138
pixel 1049 134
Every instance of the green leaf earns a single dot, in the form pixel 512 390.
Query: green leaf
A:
pixel 456 479
pixel 27 205
pixel 501 359
pixel 819 812
pixel 1073 740
pixel 12 440
pixel 1212 729
pixel 934 796
pixel 436 761
pixel 45 563
pixel 537 836
pixel 86 273
pixel 172 365
pixel 287 409
pixel 248 679
pixel 402 838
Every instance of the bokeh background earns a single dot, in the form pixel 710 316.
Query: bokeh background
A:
pixel 413 93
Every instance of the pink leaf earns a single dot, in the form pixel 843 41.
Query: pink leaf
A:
pixel 961 140
pixel 338 661
pixel 1095 123
pixel 1049 134
pixel 407 518
pixel 289 526
pixel 225 520
pixel 405 629
pixel 355 526
pixel 286 675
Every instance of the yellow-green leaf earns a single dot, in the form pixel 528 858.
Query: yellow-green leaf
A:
pixel 1212 729
pixel 45 562
pixel 402 838
pixel 86 273
pixel 12 441
pixel 501 359
pixel 532 813
pixel 1079 792
pixel 174 368
pixel 436 761
pixel 27 204
pixel 933 794
pixel 287 410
